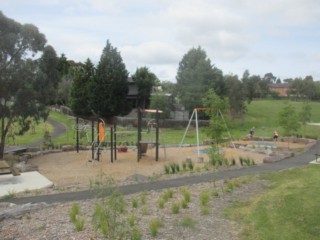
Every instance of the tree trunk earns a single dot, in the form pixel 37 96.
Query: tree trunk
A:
pixel 2 138
pixel 4 131
pixel 1 149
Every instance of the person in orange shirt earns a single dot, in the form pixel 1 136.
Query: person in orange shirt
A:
pixel 275 135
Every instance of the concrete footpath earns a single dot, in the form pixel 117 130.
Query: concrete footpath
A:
pixel 297 161
pixel 26 181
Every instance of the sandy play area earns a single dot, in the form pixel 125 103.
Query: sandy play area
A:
pixel 72 168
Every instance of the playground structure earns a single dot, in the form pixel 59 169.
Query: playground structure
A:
pixel 143 145
pixel 99 142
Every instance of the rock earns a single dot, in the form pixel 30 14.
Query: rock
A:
pixel 67 148
pixel 19 210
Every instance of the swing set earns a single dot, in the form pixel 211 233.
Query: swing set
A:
pixel 195 114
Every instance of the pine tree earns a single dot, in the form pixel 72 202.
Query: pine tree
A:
pixel 108 93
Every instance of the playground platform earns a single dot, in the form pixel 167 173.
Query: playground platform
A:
pixel 26 181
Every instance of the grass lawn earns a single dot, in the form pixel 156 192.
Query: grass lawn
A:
pixel 262 114
pixel 30 136
pixel 125 135
pixel 288 209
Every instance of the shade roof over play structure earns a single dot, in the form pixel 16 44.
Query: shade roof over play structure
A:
pixel 151 111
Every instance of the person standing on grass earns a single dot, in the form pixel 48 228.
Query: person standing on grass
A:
pixel 275 135
pixel 251 132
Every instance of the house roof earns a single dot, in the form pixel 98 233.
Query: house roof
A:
pixel 279 85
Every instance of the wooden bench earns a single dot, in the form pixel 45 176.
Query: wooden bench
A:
pixel 4 168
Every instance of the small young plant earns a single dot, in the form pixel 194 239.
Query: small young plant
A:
pixel 241 159
pixel 132 220
pixel 215 193
pixel 173 168
pixel 184 203
pixel 143 197
pixel 184 166
pixel 154 227
pixel 161 203
pixel 145 211
pixel 204 198
pixel 229 185
pixel 75 218
pixel 136 234
pixel 186 195
pixel 177 168
pixel 233 162
pixel 79 224
pixel 134 203
pixel 168 194
pixel 175 208
pixel 74 212
pixel 167 169
pixel 190 166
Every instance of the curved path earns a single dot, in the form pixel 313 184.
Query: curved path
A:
pixel 300 160
pixel 58 129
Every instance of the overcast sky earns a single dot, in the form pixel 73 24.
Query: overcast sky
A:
pixel 278 36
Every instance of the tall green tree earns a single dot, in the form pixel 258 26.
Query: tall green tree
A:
pixel 108 94
pixel 251 86
pixel 48 76
pixel 217 106
pixel 236 95
pixel 168 87
pixel 18 99
pixel 195 76
pixel 269 78
pixel 295 89
pixel 161 102
pixel 305 115
pixel 80 90
pixel 145 81
pixel 288 120
pixel 64 86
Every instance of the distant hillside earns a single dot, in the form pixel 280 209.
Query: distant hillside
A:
pixel 263 115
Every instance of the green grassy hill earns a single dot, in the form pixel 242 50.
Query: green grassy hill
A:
pixel 263 115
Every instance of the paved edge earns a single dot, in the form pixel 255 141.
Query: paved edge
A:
pixel 292 162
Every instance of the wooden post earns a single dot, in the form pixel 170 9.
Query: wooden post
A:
pixel 111 143
pixel 139 134
pixel 98 141
pixel 77 128
pixel 92 138
pixel 157 135
pixel 115 141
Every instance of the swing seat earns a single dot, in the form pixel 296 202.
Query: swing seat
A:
pixel 122 149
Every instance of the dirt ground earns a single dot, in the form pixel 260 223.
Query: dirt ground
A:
pixel 72 168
